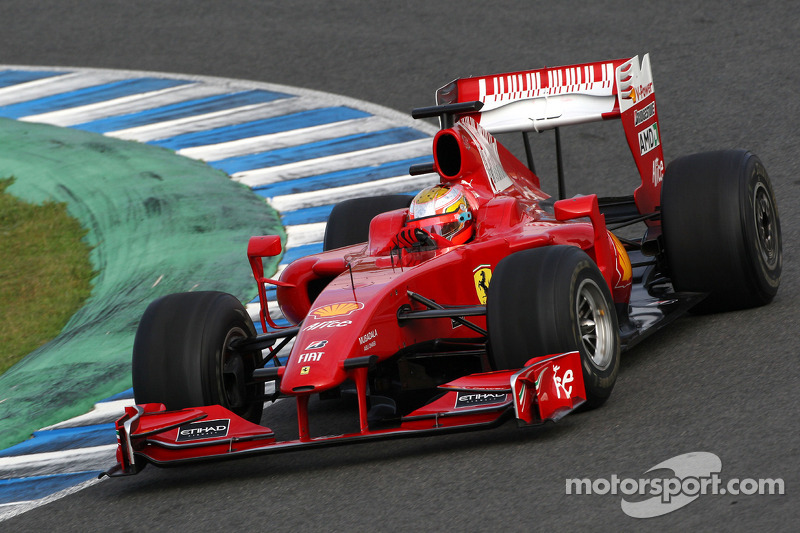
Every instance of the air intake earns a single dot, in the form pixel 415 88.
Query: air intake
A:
pixel 447 154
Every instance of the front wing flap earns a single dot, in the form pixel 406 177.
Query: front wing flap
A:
pixel 547 388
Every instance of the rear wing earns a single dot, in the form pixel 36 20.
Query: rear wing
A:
pixel 548 98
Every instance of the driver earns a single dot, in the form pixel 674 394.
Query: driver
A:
pixel 439 212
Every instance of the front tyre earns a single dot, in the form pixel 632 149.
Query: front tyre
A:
pixel 182 356
pixel 553 300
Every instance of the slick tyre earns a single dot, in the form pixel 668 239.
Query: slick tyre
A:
pixel 721 229
pixel 553 300
pixel 181 355
pixel 348 222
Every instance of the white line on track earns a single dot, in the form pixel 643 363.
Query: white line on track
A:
pixel 126 105
pixel 286 139
pixel 172 128
pixel 393 185
pixel 179 126
pixel 44 87
pixel 301 234
pixel 332 163
pixel 10 510
pixel 60 462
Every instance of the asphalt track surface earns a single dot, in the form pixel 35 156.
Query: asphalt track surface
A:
pixel 725 76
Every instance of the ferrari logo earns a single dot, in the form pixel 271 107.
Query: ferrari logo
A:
pixel 305 370
pixel 482 275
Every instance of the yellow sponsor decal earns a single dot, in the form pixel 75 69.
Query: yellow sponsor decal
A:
pixel 333 310
pixel 482 276
pixel 305 370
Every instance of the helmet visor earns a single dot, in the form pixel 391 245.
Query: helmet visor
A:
pixel 446 225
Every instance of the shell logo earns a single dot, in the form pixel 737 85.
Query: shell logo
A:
pixel 334 310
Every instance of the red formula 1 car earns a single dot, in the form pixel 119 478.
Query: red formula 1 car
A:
pixel 479 300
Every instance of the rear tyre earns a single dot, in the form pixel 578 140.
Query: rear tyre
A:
pixel 553 300
pixel 181 355
pixel 722 233
pixel 348 222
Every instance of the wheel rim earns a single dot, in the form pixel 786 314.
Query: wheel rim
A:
pixel 595 324
pixel 768 238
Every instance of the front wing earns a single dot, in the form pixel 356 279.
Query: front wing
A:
pixel 547 388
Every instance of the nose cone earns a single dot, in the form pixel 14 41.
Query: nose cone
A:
pixel 316 360
pixel 354 316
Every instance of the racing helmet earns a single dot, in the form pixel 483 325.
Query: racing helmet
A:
pixel 444 210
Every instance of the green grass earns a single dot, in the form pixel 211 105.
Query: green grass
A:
pixel 45 273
